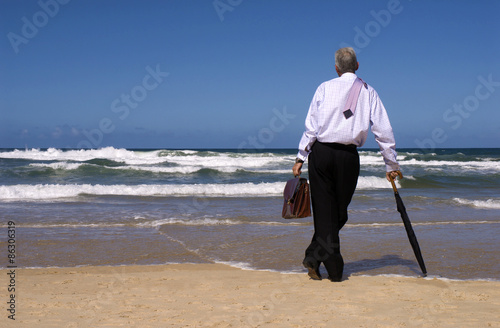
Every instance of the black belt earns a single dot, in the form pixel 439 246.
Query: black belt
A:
pixel 339 146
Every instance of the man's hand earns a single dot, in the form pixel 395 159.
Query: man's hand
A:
pixel 297 169
pixel 393 175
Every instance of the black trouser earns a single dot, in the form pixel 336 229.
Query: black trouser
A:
pixel 333 175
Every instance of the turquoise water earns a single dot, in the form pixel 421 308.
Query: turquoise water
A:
pixel 117 206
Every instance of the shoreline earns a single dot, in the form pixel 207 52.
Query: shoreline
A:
pixel 218 295
pixel 246 268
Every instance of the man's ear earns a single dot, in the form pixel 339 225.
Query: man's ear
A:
pixel 337 69
pixel 357 66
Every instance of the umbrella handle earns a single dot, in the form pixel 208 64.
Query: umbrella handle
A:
pixel 392 181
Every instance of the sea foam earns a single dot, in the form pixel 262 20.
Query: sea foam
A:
pixel 263 189
pixel 486 204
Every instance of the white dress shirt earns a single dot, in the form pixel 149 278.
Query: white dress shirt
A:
pixel 326 122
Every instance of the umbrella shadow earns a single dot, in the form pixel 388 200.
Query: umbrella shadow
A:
pixel 385 261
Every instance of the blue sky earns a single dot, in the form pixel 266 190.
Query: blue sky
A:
pixel 240 73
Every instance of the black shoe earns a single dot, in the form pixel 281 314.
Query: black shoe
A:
pixel 334 280
pixel 313 271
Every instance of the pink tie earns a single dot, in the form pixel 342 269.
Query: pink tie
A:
pixel 352 99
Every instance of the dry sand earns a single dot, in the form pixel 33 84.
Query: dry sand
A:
pixel 215 295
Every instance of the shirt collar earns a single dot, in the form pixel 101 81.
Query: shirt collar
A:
pixel 349 75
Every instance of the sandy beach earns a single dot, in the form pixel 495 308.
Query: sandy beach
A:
pixel 216 295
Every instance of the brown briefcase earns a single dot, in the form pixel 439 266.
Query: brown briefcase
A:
pixel 297 201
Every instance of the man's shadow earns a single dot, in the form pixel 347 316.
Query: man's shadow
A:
pixel 367 265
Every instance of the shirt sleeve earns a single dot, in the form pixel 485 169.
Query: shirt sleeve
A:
pixel 310 133
pixel 381 128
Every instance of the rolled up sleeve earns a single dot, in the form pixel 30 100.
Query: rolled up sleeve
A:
pixel 310 134
pixel 382 129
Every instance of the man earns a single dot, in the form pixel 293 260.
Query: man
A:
pixel 330 143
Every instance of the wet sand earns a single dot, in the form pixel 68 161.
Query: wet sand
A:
pixel 216 295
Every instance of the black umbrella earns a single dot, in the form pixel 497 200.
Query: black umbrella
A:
pixel 408 227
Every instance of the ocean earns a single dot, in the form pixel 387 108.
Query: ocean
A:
pixel 120 207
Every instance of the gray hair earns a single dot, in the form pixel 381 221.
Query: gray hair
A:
pixel 345 59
